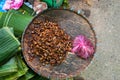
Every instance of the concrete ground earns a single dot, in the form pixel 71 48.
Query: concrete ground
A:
pixel 105 17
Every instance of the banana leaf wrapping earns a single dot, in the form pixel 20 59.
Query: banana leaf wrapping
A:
pixel 37 77
pixel 8 68
pixel 16 20
pixel 27 10
pixel 21 70
pixel 30 74
pixel 0 14
pixel 13 22
pixel 8 44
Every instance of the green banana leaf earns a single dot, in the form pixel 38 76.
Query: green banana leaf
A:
pixel 1 14
pixel 22 70
pixel 8 44
pixel 37 77
pixel 16 20
pixel 8 68
pixel 26 10
pixel 30 74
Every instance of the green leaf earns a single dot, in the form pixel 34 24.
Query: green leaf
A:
pixel 8 68
pixel 1 14
pixel 37 77
pixel 8 44
pixel 22 70
pixel 15 20
pixel 26 10
pixel 30 74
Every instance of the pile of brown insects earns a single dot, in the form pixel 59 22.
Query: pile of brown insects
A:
pixel 49 42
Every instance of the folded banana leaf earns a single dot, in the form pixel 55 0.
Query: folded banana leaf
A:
pixel 16 20
pixel 8 44
pixel 1 14
pixel 8 68
pixel 26 10
pixel 37 77
pixel 30 74
pixel 22 70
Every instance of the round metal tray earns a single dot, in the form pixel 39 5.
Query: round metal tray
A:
pixel 74 24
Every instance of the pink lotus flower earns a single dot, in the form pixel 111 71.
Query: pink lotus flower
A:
pixel 12 4
pixel 83 47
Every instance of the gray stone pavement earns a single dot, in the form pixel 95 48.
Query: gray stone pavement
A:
pixel 105 17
